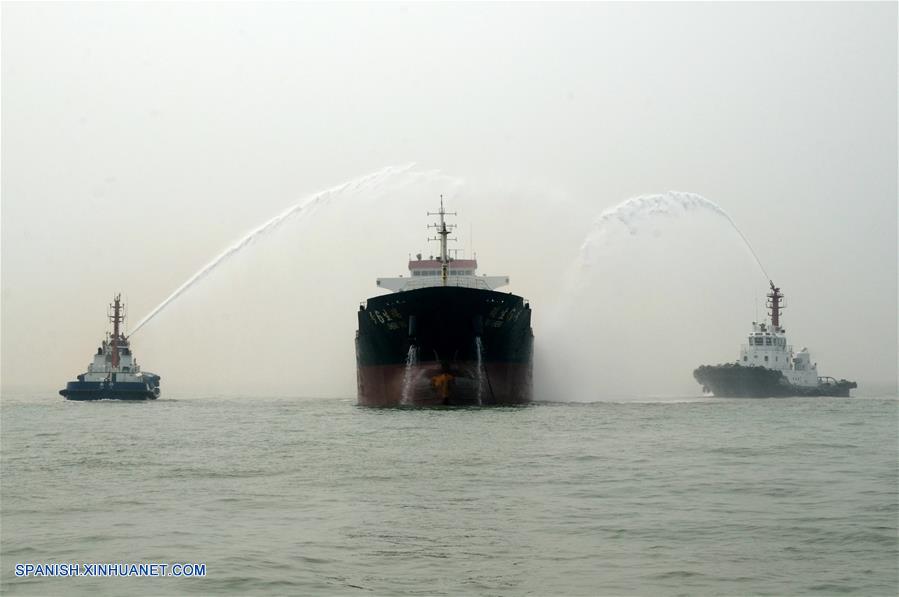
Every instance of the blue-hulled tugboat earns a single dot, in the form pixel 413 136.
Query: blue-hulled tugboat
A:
pixel 114 374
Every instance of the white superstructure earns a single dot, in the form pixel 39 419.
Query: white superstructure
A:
pixel 442 270
pixel 102 367
pixel 113 360
pixel 767 347
pixel 428 272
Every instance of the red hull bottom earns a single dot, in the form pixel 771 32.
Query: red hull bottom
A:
pixel 428 385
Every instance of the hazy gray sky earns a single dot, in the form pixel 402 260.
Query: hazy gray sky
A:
pixel 139 140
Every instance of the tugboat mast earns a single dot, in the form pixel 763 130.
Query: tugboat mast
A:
pixel 775 297
pixel 443 229
pixel 116 317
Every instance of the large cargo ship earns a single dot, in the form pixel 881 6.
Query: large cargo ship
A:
pixel 768 366
pixel 444 336
pixel 114 373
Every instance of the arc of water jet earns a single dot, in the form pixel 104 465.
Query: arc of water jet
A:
pixel 305 204
pixel 626 211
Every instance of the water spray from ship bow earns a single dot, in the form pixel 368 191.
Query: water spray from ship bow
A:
pixel 304 207
pixel 479 353
pixel 409 375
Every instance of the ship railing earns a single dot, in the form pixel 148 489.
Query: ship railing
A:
pixel 473 282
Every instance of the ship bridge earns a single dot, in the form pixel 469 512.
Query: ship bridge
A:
pixel 425 273
pixel 767 347
pixel 114 359
pixel 442 270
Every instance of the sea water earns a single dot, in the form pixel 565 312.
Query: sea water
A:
pixel 289 495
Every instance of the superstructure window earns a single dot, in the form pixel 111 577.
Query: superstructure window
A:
pixel 767 341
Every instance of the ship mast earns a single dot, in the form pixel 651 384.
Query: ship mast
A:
pixel 443 229
pixel 775 298
pixel 117 316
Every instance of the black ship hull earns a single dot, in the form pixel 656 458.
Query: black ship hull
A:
pixel 738 381
pixel 100 390
pixel 444 346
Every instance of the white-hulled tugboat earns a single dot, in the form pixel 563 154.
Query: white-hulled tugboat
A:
pixel 768 366
pixel 114 374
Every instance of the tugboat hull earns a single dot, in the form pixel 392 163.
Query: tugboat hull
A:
pixel 738 381
pixel 98 390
